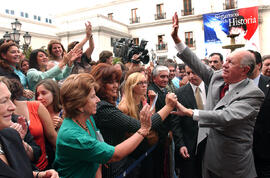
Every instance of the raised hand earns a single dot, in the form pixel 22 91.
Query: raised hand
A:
pixel 175 28
pixel 171 100
pixel 145 119
pixel 57 121
pixel 151 95
pixel 28 93
pixel 71 56
pixel 88 29
pixel 20 126
pixel 184 81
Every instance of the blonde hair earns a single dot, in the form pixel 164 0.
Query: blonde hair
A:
pixel 129 98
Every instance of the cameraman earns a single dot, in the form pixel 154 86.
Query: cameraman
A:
pixel 135 61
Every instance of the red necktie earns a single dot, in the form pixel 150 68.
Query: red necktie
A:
pixel 223 90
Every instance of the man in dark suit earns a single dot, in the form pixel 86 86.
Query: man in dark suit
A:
pixel 192 95
pixel 233 102
pixel 261 142
pixel 160 76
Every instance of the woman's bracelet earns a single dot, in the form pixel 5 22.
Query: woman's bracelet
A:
pixel 142 134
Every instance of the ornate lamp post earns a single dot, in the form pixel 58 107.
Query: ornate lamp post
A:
pixel 15 35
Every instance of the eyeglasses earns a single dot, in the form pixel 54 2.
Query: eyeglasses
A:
pixel 141 83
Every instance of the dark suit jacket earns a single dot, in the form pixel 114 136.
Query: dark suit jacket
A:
pixel 261 144
pixel 19 163
pixel 163 131
pixel 187 128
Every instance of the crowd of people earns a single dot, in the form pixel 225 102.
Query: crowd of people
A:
pixel 64 115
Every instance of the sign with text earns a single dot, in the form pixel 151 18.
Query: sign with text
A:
pixel 217 26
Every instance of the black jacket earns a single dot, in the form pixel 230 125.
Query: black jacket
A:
pixel 19 163
pixel 261 143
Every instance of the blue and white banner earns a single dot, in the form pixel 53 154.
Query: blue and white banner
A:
pixel 241 21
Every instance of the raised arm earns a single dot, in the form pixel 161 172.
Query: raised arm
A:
pixel 88 36
pixel 130 144
pixel 189 57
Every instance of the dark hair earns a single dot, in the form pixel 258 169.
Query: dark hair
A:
pixel 14 86
pixel 258 57
pixel 21 63
pixel 104 55
pixel 181 66
pixel 103 74
pixel 219 54
pixel 33 58
pixel 50 47
pixel 170 63
pixel 72 45
pixel 3 50
pixel 265 57
pixel 52 86
pixel 2 41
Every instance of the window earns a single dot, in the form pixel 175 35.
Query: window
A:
pixel 22 14
pixel 189 39
pixel 50 20
pixel 35 17
pixel 161 45
pixel 136 41
pixel 110 16
pixel 160 14
pixel 134 18
pixel 188 10
pixel 46 20
pixel 26 15
pixel 39 18
pixel 7 11
pixel 12 12
pixel 230 4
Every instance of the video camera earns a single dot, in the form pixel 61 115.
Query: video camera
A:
pixel 125 48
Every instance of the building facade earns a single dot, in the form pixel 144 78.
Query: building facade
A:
pixel 149 20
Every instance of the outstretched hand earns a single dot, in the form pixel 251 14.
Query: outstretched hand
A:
pixel 175 26
pixel 51 173
pixel 145 119
pixel 171 100
pixel 72 55
pixel 88 29
pixel 182 110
